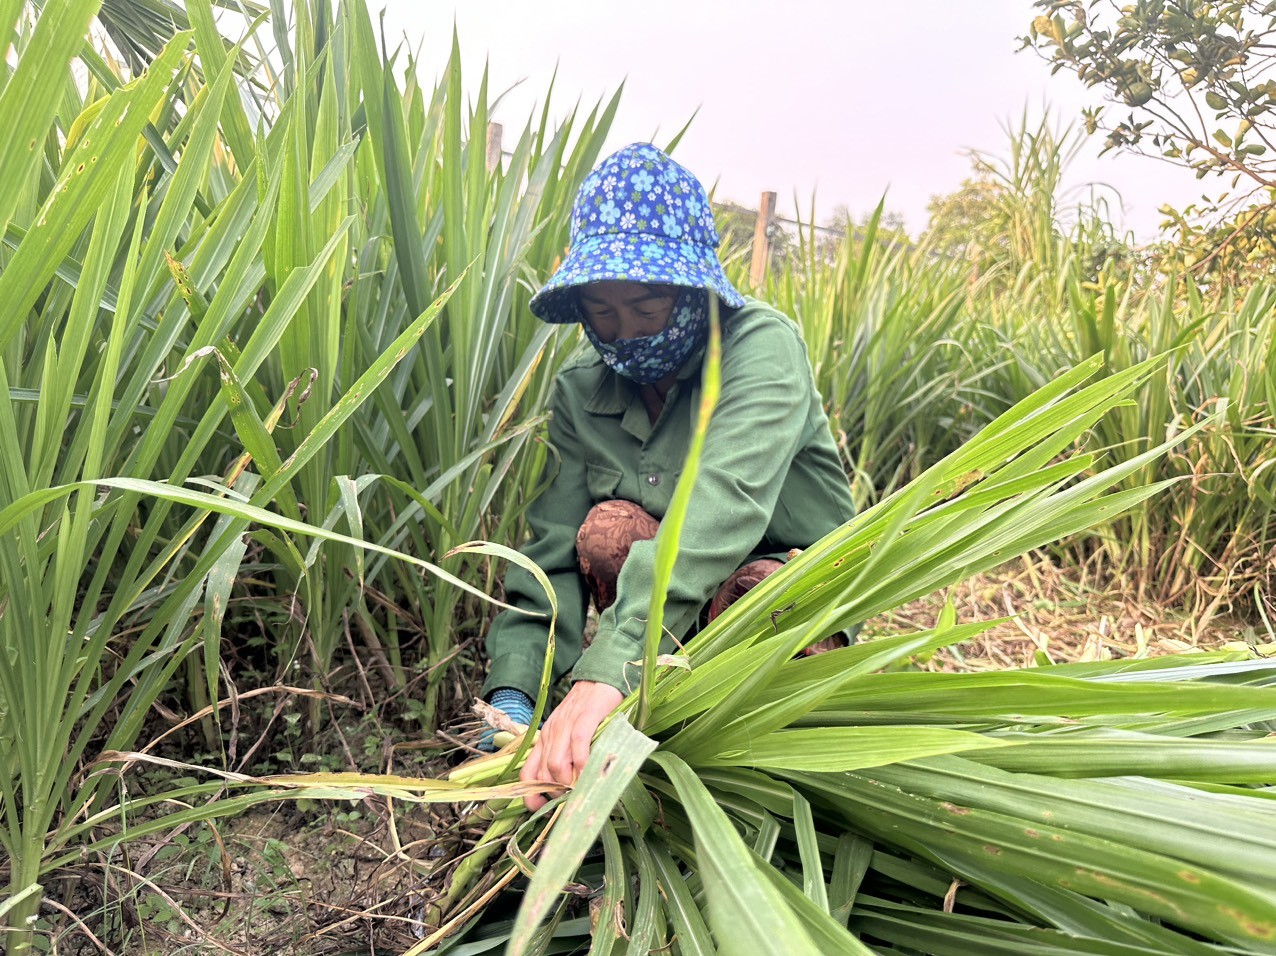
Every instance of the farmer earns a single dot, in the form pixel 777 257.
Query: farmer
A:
pixel 638 280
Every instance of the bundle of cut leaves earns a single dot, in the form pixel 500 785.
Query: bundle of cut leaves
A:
pixel 747 799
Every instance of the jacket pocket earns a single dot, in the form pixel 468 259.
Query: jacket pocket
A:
pixel 601 480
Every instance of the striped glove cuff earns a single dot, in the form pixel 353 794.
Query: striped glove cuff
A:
pixel 514 704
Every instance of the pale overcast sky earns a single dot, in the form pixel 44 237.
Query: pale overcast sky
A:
pixel 848 99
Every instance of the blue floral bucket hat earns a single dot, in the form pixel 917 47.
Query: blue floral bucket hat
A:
pixel 639 217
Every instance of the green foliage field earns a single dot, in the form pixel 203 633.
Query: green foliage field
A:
pixel 918 345
pixel 267 373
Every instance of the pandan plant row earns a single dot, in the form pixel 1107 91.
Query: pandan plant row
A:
pixel 263 364
pixel 266 364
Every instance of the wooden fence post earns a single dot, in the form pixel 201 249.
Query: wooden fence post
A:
pixel 762 232
pixel 493 147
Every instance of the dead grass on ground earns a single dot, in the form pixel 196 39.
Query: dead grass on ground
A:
pixel 1053 616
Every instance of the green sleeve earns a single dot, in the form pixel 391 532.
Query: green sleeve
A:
pixel 516 643
pixel 753 436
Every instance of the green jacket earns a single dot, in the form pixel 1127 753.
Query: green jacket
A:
pixel 770 480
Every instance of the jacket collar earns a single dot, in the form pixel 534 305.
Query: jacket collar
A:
pixel 612 395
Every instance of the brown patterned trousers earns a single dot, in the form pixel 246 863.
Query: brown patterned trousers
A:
pixel 610 530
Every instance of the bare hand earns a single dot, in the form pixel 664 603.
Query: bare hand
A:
pixel 563 746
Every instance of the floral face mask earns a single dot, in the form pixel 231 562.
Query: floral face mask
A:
pixel 649 359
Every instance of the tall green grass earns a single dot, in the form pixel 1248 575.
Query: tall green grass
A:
pixel 884 325
pixel 259 372
pixel 266 366
pixel 914 350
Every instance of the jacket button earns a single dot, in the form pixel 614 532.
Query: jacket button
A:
pixel 653 480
